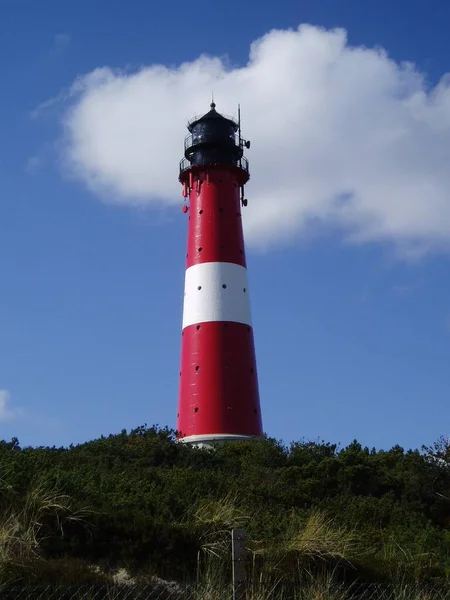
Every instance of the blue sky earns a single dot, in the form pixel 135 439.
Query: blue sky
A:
pixel 352 330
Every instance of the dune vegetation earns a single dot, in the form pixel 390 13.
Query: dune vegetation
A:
pixel 321 521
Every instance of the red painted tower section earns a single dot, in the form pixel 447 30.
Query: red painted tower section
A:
pixel 218 394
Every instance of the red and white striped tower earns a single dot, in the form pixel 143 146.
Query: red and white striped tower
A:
pixel 218 396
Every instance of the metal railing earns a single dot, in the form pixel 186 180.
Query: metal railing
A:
pixel 241 164
pixel 184 165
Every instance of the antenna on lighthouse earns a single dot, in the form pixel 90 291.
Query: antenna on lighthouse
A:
pixel 239 122
pixel 240 146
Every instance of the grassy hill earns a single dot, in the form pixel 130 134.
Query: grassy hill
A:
pixel 140 501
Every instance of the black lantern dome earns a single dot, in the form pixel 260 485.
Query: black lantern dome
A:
pixel 213 140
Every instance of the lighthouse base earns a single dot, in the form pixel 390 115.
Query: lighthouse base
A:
pixel 210 440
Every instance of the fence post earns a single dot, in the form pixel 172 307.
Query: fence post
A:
pixel 238 558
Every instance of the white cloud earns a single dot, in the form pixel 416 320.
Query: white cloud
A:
pixel 6 413
pixel 341 137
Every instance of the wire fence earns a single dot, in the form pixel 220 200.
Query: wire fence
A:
pixel 311 591
pixel 95 592
pixel 229 570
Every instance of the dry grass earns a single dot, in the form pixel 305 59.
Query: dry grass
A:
pixel 221 514
pixel 320 586
pixel 397 561
pixel 321 537
pixel 215 519
pixel 22 522
pixel 321 542
pixel 317 546
pixel 309 545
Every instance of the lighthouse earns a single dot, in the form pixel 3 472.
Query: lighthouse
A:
pixel 218 391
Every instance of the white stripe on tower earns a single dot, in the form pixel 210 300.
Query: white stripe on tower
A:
pixel 216 291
